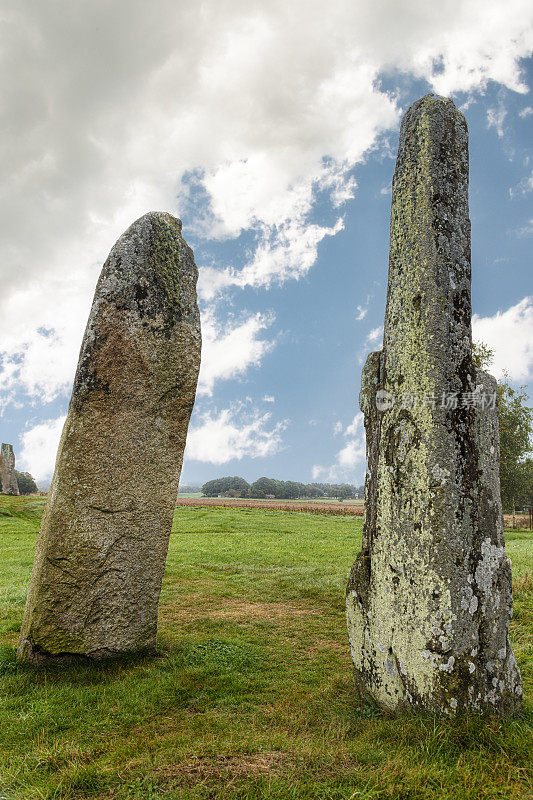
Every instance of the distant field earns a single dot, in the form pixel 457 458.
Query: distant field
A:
pixel 351 508
pixel 252 696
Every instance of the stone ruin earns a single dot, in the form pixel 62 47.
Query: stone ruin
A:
pixel 7 470
pixel 103 541
pixel 429 597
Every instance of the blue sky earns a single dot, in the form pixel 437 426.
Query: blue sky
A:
pixel 275 145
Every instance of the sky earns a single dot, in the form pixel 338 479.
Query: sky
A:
pixel 271 130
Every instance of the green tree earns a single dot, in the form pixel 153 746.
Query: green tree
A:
pixel 345 491
pixel 26 483
pixel 525 496
pixel 264 486
pixel 516 426
pixel 238 486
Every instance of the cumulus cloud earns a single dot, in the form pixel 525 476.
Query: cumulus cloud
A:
pixel 40 339
pixel 229 350
pixel 510 335
pixel 39 447
pixel 233 433
pixel 350 459
pixel 112 109
pixel 285 251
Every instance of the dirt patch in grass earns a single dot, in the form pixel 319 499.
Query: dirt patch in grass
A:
pixel 192 606
pixel 226 766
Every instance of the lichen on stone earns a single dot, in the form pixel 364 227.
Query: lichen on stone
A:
pixel 104 535
pixel 430 590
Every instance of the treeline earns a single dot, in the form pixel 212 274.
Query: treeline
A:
pixel 280 490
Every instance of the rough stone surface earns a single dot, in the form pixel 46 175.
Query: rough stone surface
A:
pixel 8 478
pixel 429 597
pixel 103 540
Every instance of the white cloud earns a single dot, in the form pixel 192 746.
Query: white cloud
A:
pixel 39 448
pixel 510 335
pixel 496 118
pixel 41 359
pixel 283 252
pixel 372 341
pixel 350 459
pixel 362 310
pixel 525 230
pixel 375 335
pixel 228 350
pixel 337 428
pixel 233 433
pixel 112 107
pixel 526 112
pixel 525 186
pixel 269 398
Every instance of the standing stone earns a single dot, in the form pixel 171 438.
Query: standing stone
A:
pixel 429 597
pixel 7 470
pixel 104 536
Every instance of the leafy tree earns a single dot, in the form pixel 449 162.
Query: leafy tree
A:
pixel 516 426
pixel 264 486
pixel 482 355
pixel 525 494
pixel 345 491
pixel 224 485
pixel 26 483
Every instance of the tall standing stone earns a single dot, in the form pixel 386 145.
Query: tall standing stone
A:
pixel 429 597
pixel 104 536
pixel 8 478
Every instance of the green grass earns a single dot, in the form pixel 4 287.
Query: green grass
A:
pixel 252 696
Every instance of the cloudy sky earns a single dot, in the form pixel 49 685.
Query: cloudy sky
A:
pixel 270 128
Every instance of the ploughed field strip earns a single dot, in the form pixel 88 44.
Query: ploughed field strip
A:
pixel 303 507
pixel 337 509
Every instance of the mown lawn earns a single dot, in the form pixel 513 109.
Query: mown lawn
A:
pixel 252 696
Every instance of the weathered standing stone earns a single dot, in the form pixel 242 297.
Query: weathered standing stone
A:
pixel 8 478
pixel 429 597
pixel 103 541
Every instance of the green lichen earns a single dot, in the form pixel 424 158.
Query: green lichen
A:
pixel 408 637
pixel 166 257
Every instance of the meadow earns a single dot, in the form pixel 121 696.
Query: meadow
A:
pixel 251 695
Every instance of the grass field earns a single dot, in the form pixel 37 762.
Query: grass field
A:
pixel 252 696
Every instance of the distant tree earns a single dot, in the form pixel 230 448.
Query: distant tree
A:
pixel 516 427
pixel 345 491
pixel 525 494
pixel 26 483
pixel 515 419
pixel 264 486
pixel 292 490
pixel 223 485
